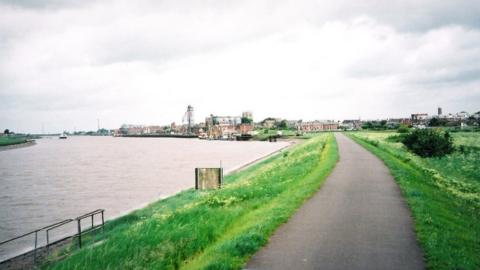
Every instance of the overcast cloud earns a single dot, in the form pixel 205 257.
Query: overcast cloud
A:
pixel 67 64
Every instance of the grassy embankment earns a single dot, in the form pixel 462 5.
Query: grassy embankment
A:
pixel 218 229
pixel 443 194
pixel 263 134
pixel 11 140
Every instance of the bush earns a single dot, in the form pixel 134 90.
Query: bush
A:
pixel 403 129
pixel 397 138
pixel 429 142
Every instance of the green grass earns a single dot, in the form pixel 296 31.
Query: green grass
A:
pixel 263 134
pixel 218 229
pixel 443 195
pixel 467 139
pixel 11 140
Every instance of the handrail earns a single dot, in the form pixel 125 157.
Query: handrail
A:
pixel 37 230
pixel 91 213
pixel 53 226
pixel 92 216
pixel 18 237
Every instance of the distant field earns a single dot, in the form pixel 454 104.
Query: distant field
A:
pixel 443 193
pixel 471 139
pixel 11 140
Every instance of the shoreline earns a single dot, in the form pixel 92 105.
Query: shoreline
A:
pixel 18 145
pixel 257 160
pixel 159 136
pixel 25 255
pixel 233 170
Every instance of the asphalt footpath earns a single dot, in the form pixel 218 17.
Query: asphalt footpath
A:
pixel 357 220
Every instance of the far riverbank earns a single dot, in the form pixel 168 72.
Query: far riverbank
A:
pixel 16 145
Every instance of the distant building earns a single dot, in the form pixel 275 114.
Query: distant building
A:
pixel 217 131
pixel 228 126
pixel 439 111
pixel 173 128
pixel 155 129
pixel 270 122
pixel 293 124
pixel 246 128
pixel 351 124
pixel 419 118
pixel 392 122
pixel 127 129
pixel 223 120
pixel 455 118
pixel 314 126
pixel 188 119
pixel 462 115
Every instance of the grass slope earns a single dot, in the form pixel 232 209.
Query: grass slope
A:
pixel 218 229
pixel 11 140
pixel 445 206
pixel 263 134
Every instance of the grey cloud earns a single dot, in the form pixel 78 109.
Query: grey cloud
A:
pixel 447 77
pixel 131 56
pixel 410 15
pixel 443 56
pixel 43 4
pixel 123 31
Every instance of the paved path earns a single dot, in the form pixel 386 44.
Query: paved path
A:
pixel 357 220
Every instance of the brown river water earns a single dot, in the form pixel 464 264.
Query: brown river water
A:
pixel 59 179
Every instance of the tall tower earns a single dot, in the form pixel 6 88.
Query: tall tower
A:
pixel 439 111
pixel 188 118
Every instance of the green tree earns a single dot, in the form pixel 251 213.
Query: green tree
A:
pixel 367 125
pixel 283 124
pixel 246 120
pixel 437 122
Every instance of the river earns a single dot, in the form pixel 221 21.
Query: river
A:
pixel 59 179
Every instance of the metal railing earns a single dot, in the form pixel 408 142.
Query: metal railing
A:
pixel 93 226
pixel 57 225
pixel 46 228
pixel 54 226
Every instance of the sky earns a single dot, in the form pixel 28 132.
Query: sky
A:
pixel 66 64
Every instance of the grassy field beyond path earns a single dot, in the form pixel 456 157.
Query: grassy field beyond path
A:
pixel 217 229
